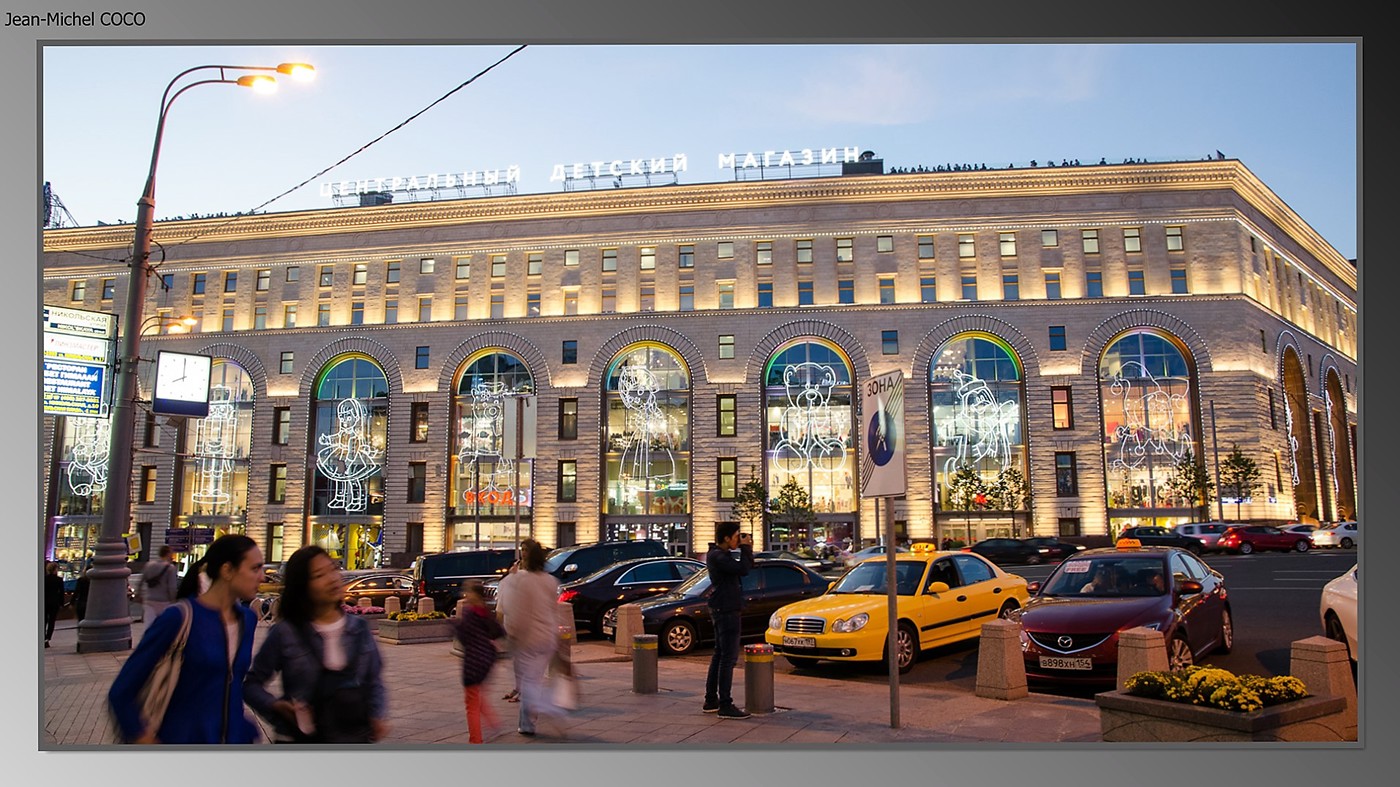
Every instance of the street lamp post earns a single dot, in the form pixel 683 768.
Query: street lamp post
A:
pixel 107 624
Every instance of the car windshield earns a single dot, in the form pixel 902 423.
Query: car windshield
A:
pixel 1109 576
pixel 870 578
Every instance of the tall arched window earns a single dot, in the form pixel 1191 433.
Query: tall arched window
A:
pixel 216 471
pixel 350 429
pixel 486 481
pixel 1146 384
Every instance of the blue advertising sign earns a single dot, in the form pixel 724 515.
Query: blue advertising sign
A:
pixel 75 388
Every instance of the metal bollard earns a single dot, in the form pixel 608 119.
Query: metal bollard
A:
pixel 758 678
pixel 644 655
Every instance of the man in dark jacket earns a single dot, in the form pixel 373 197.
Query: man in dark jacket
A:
pixel 726 605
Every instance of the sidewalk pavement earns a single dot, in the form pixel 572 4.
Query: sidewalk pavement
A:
pixel 426 709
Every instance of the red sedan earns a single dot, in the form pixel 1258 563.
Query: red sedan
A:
pixel 1247 539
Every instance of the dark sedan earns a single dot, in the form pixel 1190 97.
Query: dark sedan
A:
pixel 1009 550
pixel 1070 626
pixel 1053 548
pixel 1162 537
pixel 378 587
pixel 604 590
pixel 681 618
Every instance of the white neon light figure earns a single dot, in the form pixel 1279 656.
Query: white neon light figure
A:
pixel 1332 441
pixel 811 432
pixel 1149 425
pixel 1292 441
pixel 479 441
pixel 87 471
pixel 983 427
pixel 647 463
pixel 215 445
pixel 348 457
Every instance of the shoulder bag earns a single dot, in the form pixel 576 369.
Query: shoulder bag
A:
pixel 160 686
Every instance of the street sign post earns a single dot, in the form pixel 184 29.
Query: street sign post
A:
pixel 882 477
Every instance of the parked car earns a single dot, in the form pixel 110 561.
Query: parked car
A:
pixel 1299 527
pixel 621 583
pixel 814 563
pixel 1338 609
pixel 440 576
pixel 1247 539
pixel 1161 537
pixel 1342 534
pixel 681 618
pixel 877 550
pixel 1003 551
pixel 942 598
pixel 379 585
pixel 1055 548
pixel 573 562
pixel 1070 626
pixel 1208 533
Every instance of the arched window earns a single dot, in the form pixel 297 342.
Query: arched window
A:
pixel 485 477
pixel 350 427
pixel 647 452
pixel 216 470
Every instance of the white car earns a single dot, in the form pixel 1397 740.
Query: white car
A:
pixel 1338 609
pixel 1343 534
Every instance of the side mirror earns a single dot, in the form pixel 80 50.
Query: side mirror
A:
pixel 1033 587
pixel 938 587
pixel 1188 587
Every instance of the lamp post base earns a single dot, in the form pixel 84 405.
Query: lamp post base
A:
pixel 106 624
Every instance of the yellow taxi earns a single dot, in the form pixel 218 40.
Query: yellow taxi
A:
pixel 942 598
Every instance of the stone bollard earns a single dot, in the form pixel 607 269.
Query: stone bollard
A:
pixel 1140 650
pixel 425 605
pixel 567 632
pixel 629 624
pixel 644 655
pixel 1001 669
pixel 758 678
pixel 364 601
pixel 392 604
pixel 1323 666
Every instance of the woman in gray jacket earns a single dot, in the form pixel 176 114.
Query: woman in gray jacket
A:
pixel 332 691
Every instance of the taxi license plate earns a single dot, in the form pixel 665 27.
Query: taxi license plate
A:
pixel 607 630
pixel 799 642
pixel 1060 662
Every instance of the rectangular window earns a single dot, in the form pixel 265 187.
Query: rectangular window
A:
pixel 426 265
pixel 568 481
pixel 569 352
pixel 571 301
pixel 391 272
pixel 109 289
pixel 726 345
pixel 846 291
pixel 259 318
pixel 417 482
pixel 425 308
pixel 197 284
pixel 805 296
pixel 763 252
pixel 969 288
pixel 277 484
pixel 726 295
pixel 724 250
pixel 391 311
pixel 889 342
pixel 568 419
pixel 323 314
pixel 463 269
pixel 148 484
pixel 1010 287
pixel 1273 411
pixel 1069 526
pixel 1007 241
pixel 1062 407
pixel 1178 281
pixel 1057 337
pixel 687 256
pixel 884 243
pixel 498 265
pixel 1052 286
pixel 418 414
pixel 226 323
pixel 1132 239
pixel 151 436
pixel 293 273
pixel 1090 239
pixel 608 300
pixel 327 276
pixel 420 357
pixel 928 289
pixel 886 290
pixel 264 280
pixel 361 273
pixel 646 258
pixel 570 258
pixel 728 477
pixel 845 250
pixel 1066 480
pixel 532 304
pixel 609 259
pixel 765 295
pixel 79 291
pixel 646 298
pixel 1174 242
pixel 925 247
pixel 534 263
pixel 285 364
pixel 459 307
pixel 357 312
pixel 1093 284
pixel 230 281
pixel 1136 285
pixel 498 305
pixel 727 422
pixel 804 251
pixel 281 425
pixel 967 246
pixel 1049 239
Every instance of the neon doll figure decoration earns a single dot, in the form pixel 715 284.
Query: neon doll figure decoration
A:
pixel 348 457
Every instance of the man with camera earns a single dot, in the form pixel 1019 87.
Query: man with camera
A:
pixel 726 606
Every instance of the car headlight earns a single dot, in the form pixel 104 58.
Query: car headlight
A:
pixel 854 623
pixel 775 621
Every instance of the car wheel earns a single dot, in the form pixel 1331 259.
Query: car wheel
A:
pixel 906 643
pixel 1335 632
pixel 801 662
pixel 1227 632
pixel 1033 560
pixel 1302 545
pixel 1179 653
pixel 678 637
pixel 1194 549
pixel 1246 548
pixel 1347 543
pixel 1007 610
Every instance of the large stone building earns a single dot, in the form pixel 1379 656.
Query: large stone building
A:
pixel 1067 336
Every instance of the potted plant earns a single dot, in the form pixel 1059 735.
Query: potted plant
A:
pixel 405 628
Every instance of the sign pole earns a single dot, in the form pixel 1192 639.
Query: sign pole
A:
pixel 882 476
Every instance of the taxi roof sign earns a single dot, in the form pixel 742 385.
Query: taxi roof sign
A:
pixel 1128 543
pixel 923 546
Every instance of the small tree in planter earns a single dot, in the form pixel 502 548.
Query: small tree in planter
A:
pixel 1240 476
pixel 1008 492
pixel 751 502
pixel 1190 480
pixel 966 489
pixel 793 507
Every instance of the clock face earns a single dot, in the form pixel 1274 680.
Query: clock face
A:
pixel 182 384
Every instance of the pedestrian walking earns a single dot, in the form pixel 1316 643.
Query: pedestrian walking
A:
pixel 726 609
pixel 532 627
pixel 160 583
pixel 476 630
pixel 53 599
pixel 207 703
pixel 332 688
pixel 502 589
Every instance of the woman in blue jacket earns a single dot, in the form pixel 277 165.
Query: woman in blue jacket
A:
pixel 332 690
pixel 207 704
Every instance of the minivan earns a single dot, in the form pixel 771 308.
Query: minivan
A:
pixel 440 576
pixel 1208 533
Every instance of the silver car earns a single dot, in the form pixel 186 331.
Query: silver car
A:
pixel 1208 533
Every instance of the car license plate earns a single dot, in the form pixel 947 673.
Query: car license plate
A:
pixel 1060 662
pixel 607 630
pixel 799 642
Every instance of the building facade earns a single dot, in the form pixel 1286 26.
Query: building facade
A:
pixel 1069 336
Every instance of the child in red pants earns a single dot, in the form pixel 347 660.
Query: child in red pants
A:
pixel 475 627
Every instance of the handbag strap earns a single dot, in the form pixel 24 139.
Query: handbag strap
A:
pixel 177 646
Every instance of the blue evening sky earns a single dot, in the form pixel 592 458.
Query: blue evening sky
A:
pixel 1288 111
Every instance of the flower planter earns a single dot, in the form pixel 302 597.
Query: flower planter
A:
pixel 412 632
pixel 1128 718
